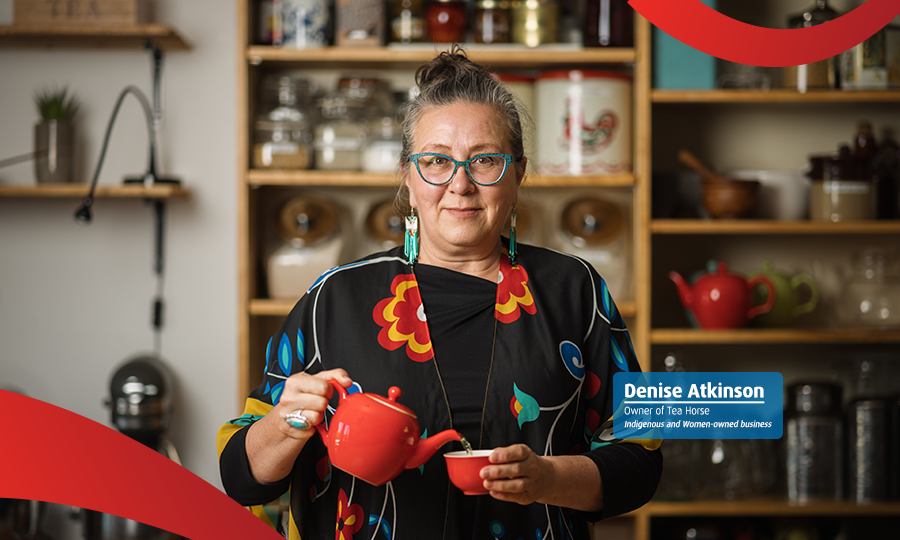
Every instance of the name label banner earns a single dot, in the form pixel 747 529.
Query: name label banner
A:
pixel 705 405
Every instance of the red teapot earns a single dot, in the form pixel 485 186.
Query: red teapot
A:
pixel 722 299
pixel 375 438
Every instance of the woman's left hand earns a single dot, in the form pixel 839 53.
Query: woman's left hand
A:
pixel 517 474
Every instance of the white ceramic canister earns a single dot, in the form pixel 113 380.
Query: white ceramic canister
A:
pixel 585 118
pixel 522 86
pixel 304 24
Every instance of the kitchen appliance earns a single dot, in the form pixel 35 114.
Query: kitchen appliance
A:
pixel 140 403
pixel 722 299
pixel 814 435
pixel 376 438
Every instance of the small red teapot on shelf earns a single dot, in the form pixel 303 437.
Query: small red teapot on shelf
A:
pixel 375 438
pixel 722 299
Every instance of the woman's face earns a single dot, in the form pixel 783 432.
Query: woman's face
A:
pixel 461 218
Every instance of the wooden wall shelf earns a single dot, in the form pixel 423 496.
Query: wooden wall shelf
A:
pixel 759 226
pixel 760 336
pixel 90 37
pixel 81 190
pixel 764 508
pixel 415 55
pixel 774 96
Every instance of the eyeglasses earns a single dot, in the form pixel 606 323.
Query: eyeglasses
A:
pixel 438 169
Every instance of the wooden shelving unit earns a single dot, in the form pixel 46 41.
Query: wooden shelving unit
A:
pixel 353 178
pixel 91 37
pixel 760 336
pixel 775 96
pixel 767 227
pixel 81 190
pixel 766 508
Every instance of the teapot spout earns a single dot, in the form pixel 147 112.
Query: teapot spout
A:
pixel 685 291
pixel 427 447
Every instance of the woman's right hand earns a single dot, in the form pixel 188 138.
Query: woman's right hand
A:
pixel 308 395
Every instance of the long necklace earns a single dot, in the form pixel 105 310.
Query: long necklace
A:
pixel 487 382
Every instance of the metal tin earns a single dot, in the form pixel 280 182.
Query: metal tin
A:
pixel 814 434
pixel 534 22
pixel 586 122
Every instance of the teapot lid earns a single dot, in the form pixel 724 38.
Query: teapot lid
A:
pixel 391 401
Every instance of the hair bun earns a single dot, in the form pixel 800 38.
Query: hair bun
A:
pixel 448 66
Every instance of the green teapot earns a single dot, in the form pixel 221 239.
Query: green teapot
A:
pixel 788 300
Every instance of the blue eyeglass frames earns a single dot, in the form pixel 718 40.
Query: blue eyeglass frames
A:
pixel 438 169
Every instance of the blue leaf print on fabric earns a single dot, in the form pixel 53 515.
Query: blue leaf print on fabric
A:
pixel 301 347
pixel 268 350
pixel 276 393
pixel 497 529
pixel 385 528
pixel 525 407
pixel 571 357
pixel 285 355
pixel 617 354
pixel 245 419
pixel 538 534
pixel 267 388
pixel 423 436
pixel 608 304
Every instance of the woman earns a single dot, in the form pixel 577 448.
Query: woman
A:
pixel 511 345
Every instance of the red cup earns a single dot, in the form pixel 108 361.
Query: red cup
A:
pixel 464 470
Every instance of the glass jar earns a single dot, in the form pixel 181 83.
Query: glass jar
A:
pixel 608 23
pixel 340 136
pixel 384 140
pixel 407 21
pixel 446 21
pixel 282 135
pixel 871 294
pixel 534 22
pixel 821 74
pixel 844 191
pixel 814 437
pixel 491 24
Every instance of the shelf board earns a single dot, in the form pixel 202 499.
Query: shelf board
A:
pixel 266 307
pixel 90 37
pixel 761 336
pixel 767 508
pixel 260 177
pixel 498 55
pixel 759 226
pixel 775 96
pixel 162 191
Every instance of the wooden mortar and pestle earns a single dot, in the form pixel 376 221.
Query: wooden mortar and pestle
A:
pixel 723 198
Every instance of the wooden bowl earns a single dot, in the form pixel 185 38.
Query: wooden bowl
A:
pixel 729 198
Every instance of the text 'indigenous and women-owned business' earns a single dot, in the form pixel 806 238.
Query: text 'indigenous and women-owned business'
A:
pixel 704 405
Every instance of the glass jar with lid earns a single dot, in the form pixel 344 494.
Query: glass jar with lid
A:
pixel 341 133
pixel 534 22
pixel 407 21
pixel 446 21
pixel 491 21
pixel 282 137
pixel 383 136
pixel 821 74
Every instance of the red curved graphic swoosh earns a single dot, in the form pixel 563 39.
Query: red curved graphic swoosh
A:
pixel 53 455
pixel 693 23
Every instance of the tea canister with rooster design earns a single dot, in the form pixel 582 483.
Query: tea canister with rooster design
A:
pixel 586 122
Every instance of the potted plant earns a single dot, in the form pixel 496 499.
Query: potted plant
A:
pixel 54 135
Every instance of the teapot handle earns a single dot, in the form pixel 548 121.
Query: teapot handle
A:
pixel 342 392
pixel 809 305
pixel 770 298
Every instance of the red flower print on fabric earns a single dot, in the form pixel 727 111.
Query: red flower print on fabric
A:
pixel 349 518
pixel 513 293
pixel 402 320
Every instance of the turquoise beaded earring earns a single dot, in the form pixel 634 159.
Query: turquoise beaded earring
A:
pixel 411 239
pixel 512 237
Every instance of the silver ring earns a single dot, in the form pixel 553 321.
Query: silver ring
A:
pixel 297 420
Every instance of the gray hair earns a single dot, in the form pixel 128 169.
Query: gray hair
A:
pixel 450 78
